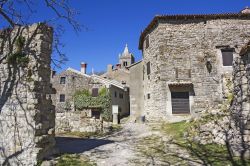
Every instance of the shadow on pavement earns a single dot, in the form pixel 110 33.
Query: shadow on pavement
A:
pixel 78 145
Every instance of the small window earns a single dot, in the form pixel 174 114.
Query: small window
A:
pixel 125 63
pixel 121 95
pixel 148 95
pixel 115 94
pixel 148 68
pixel 146 42
pixel 227 57
pixel 94 92
pixel 62 80
pixel 62 98
pixel 143 72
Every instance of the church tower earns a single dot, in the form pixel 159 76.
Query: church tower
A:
pixel 126 58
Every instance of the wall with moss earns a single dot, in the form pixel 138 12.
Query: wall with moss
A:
pixel 27 117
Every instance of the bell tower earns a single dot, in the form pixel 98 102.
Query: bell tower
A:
pixel 126 58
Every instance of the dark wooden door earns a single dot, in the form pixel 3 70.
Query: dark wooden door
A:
pixel 180 102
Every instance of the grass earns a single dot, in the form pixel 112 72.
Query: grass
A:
pixel 209 154
pixel 177 148
pixel 176 130
pixel 74 160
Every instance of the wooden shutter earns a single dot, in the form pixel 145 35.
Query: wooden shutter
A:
pixel 148 68
pixel 180 102
pixel 62 98
pixel 94 92
pixel 227 57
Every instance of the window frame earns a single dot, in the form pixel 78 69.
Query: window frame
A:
pixel 95 92
pixel 125 63
pixel 224 54
pixel 148 68
pixel 121 95
pixel 62 96
pixel 148 96
pixel 63 80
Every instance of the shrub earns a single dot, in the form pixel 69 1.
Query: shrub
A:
pixel 83 99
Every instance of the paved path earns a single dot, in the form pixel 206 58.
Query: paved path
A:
pixel 121 150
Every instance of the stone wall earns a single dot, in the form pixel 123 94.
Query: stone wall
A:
pixel 230 125
pixel 74 81
pixel 27 117
pixel 240 108
pixel 136 90
pixel 184 46
pixel 78 122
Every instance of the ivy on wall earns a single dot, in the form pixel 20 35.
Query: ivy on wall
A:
pixel 18 57
pixel 83 99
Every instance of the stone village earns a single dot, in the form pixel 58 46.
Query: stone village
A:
pixel 188 62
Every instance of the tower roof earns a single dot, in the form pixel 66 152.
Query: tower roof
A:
pixel 126 53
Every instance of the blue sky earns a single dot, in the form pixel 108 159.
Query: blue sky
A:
pixel 113 23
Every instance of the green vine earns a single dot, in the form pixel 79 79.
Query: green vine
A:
pixel 83 99
pixel 18 57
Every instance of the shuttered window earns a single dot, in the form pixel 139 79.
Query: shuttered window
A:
pixel 62 80
pixel 148 68
pixel 121 95
pixel 227 57
pixel 94 92
pixel 62 98
pixel 180 102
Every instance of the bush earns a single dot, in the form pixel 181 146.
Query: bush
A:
pixel 83 99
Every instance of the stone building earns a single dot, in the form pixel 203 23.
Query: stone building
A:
pixel 120 71
pixel 187 61
pixel 69 81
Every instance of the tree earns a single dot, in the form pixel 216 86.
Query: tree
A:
pixel 19 12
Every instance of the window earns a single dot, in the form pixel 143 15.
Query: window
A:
pixel 125 63
pixel 62 98
pixel 148 68
pixel 62 80
pixel 227 57
pixel 143 72
pixel 148 95
pixel 115 94
pixel 146 42
pixel 94 92
pixel 121 95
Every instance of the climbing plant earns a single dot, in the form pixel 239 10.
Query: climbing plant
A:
pixel 83 99
pixel 18 57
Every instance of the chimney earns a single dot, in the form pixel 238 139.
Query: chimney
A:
pixel 83 67
pixel 109 68
pixel 118 66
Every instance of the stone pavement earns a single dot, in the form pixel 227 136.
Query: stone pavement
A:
pixel 122 149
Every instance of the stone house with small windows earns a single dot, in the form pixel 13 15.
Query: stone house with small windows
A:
pixel 69 81
pixel 187 63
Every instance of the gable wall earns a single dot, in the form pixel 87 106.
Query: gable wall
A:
pixel 183 44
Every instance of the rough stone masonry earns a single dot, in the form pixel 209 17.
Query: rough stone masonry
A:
pixel 241 105
pixel 27 117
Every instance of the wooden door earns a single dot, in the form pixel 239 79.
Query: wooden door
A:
pixel 180 102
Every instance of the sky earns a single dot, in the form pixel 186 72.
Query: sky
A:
pixel 111 24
